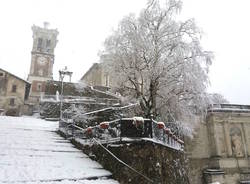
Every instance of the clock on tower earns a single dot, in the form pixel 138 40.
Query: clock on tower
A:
pixel 42 60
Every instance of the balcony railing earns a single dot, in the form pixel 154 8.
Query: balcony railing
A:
pixel 123 130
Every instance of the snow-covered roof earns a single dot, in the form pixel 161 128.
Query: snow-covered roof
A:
pixel 15 76
pixel 229 108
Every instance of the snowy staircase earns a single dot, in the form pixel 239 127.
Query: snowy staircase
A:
pixel 32 152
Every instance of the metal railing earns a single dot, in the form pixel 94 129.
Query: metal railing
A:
pixel 77 99
pixel 123 130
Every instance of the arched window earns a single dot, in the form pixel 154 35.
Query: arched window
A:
pixel 48 43
pixel 39 87
pixel 39 44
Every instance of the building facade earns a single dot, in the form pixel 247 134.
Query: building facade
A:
pixel 220 150
pixel 42 59
pixel 96 76
pixel 13 93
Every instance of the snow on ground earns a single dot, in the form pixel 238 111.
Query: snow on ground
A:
pixel 31 152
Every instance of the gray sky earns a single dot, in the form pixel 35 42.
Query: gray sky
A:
pixel 83 26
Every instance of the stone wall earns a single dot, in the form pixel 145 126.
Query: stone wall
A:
pixel 220 149
pixel 198 153
pixel 161 164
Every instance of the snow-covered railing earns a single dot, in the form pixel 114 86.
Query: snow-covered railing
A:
pixel 80 116
pixel 165 135
pixel 124 129
pixel 77 99
pixel 103 131
pixel 228 108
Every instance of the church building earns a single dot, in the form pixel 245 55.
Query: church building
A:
pixel 42 59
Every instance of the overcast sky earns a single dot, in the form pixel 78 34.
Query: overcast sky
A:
pixel 83 26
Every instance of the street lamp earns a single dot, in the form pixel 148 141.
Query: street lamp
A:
pixel 62 74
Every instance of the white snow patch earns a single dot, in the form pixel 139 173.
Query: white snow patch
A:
pixel 32 152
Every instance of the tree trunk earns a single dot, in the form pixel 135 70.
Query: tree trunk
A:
pixel 151 106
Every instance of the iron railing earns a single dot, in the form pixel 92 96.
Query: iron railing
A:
pixel 123 130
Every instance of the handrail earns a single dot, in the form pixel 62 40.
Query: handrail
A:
pixel 159 132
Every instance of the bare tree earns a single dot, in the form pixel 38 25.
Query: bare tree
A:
pixel 159 61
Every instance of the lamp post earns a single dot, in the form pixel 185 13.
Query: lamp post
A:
pixel 62 74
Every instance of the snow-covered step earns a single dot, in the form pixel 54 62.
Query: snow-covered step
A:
pixel 32 152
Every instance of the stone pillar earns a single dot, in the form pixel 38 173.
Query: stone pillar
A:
pixel 214 175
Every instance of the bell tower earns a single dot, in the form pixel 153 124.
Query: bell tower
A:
pixel 42 59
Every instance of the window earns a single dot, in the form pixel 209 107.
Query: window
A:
pixel 40 72
pixel 13 88
pixel 39 87
pixel 39 44
pixel 1 74
pixel 48 43
pixel 107 80
pixel 12 101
